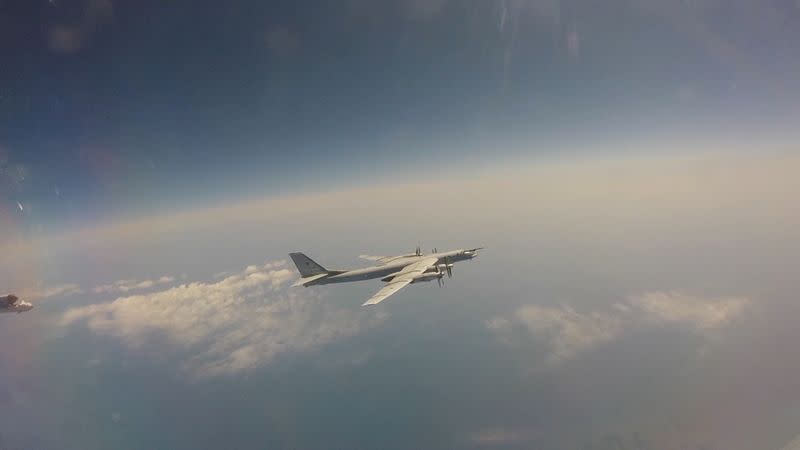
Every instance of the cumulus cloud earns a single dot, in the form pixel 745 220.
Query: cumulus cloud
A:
pixel 239 323
pixel 675 307
pixel 131 285
pixel 569 332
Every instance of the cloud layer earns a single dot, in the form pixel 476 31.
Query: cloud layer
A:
pixel 130 285
pixel 45 292
pixel 239 323
pixel 569 332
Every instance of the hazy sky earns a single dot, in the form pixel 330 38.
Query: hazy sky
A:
pixel 622 302
pixel 630 165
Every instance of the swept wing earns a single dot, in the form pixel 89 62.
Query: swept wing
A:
pixel 402 279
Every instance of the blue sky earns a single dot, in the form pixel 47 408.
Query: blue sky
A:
pixel 117 109
pixel 631 166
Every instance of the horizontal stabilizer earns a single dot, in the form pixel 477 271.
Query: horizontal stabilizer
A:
pixel 305 281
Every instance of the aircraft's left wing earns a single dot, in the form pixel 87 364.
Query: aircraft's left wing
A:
pixel 402 279
pixel 378 259
pixel 386 291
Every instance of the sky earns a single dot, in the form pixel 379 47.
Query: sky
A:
pixel 630 167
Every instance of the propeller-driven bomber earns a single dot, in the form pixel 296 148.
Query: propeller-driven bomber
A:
pixel 397 271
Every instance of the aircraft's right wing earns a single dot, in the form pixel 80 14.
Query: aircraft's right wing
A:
pixel 383 260
pixel 402 279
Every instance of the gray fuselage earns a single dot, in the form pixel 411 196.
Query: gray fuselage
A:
pixel 396 265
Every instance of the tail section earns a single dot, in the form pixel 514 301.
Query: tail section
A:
pixel 306 266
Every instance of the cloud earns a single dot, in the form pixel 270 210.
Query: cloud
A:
pixel 794 444
pixel 675 307
pixel 130 285
pixel 569 332
pixel 63 290
pixel 239 323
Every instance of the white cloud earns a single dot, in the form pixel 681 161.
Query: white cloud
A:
pixel 131 285
pixel 569 332
pixel 238 323
pixel 676 307
pixel 63 290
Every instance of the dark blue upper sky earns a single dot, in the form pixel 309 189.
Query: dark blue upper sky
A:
pixel 112 108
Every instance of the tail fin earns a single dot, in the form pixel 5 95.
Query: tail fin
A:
pixel 306 266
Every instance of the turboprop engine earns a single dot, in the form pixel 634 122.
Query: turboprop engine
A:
pixel 427 277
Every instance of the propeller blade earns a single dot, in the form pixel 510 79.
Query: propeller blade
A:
pixel 449 272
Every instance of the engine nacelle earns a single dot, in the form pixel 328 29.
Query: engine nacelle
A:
pixel 427 277
pixel 444 267
pixel 439 268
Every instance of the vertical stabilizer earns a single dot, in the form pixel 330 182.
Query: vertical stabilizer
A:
pixel 306 265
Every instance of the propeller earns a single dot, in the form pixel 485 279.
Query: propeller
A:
pixel 448 267
pixel 440 278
